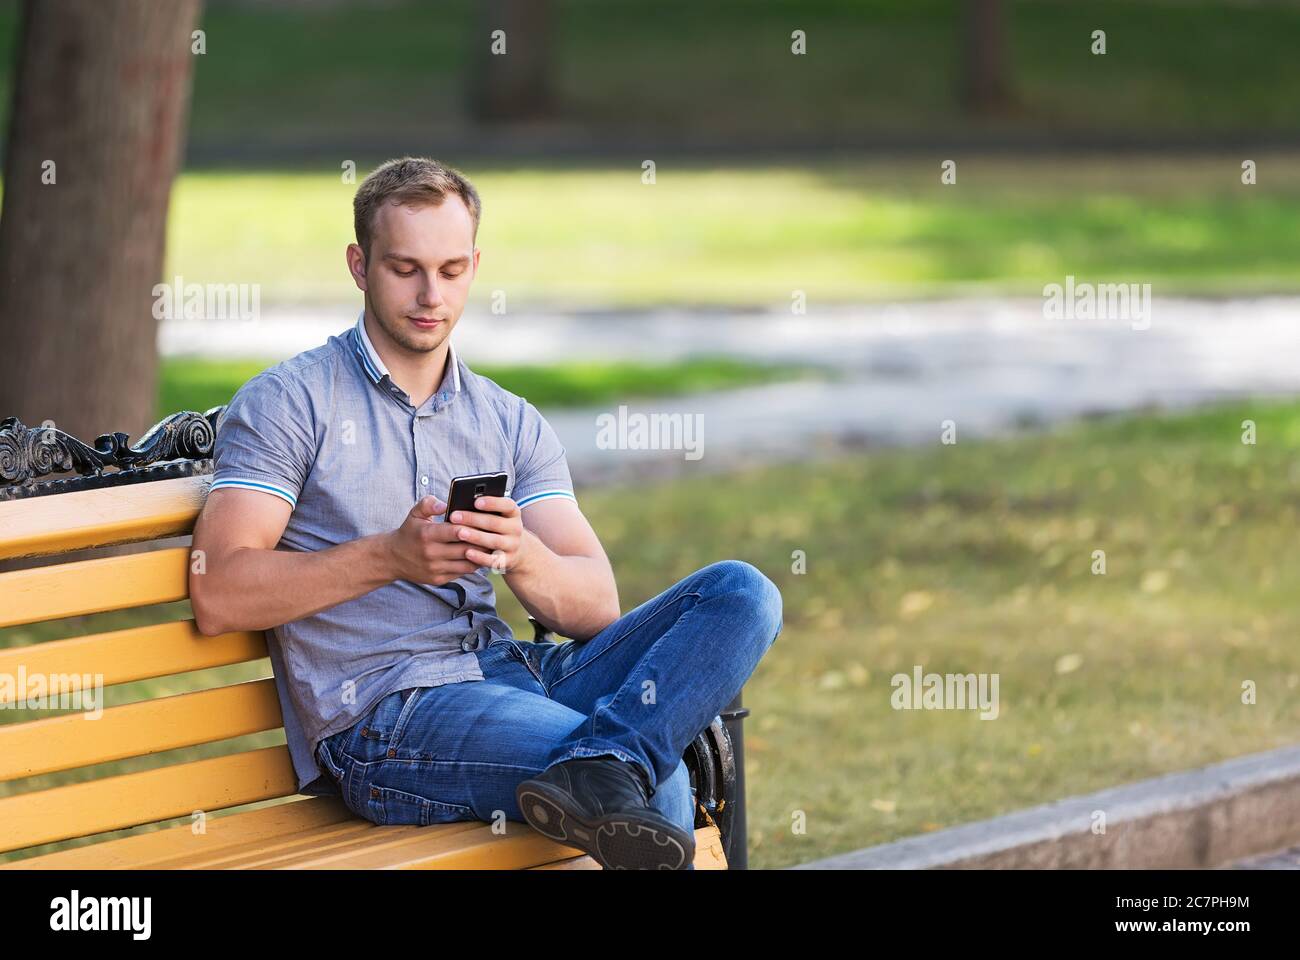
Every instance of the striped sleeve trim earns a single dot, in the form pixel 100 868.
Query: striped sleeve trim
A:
pixel 546 495
pixel 262 485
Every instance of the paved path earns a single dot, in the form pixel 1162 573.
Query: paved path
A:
pixel 988 365
pixel 1279 860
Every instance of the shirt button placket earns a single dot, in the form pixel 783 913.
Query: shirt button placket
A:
pixel 421 475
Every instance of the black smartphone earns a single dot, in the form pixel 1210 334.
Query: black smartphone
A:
pixel 465 490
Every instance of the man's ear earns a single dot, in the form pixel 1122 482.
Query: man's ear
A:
pixel 356 258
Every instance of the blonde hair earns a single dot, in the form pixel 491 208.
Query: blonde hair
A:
pixel 417 181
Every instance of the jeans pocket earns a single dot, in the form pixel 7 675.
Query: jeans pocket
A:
pixel 377 735
pixel 388 806
pixel 325 759
pixel 516 650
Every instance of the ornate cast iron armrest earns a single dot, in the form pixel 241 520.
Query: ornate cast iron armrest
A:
pixel 177 446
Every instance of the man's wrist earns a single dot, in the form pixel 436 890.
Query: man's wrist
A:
pixel 529 554
pixel 383 558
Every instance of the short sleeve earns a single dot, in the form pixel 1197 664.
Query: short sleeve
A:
pixel 265 440
pixel 541 468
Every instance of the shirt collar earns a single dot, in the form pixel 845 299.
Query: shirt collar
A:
pixel 374 366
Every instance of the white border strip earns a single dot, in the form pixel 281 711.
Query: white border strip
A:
pixel 546 495
pixel 250 484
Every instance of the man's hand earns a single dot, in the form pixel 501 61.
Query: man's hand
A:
pixel 494 538
pixel 423 551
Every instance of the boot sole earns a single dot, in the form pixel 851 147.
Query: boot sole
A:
pixel 617 841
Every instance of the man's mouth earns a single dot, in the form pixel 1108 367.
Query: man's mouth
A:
pixel 424 323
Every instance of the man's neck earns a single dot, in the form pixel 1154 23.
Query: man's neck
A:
pixel 417 374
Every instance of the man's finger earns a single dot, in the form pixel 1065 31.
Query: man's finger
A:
pixel 489 541
pixel 442 533
pixel 502 505
pixel 428 507
pixel 485 521
pixel 483 558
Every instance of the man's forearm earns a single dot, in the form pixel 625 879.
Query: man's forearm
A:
pixel 256 589
pixel 575 596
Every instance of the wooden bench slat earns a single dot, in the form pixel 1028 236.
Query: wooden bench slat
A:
pixel 93 586
pixel 159 848
pixel 347 845
pixel 321 833
pixel 38 526
pixel 519 849
pixel 465 842
pixel 254 852
pixel 709 854
pixel 134 729
pixel 136 653
pixel 573 863
pixel 82 809
pixel 464 845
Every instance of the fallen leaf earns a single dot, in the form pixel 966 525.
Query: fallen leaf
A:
pixel 831 680
pixel 1069 663
pixel 1154 581
pixel 914 602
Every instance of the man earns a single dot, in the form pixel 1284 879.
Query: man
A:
pixel 401 688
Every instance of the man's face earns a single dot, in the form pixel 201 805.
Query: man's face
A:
pixel 422 261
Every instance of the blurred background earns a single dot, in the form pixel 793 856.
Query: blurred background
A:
pixel 854 210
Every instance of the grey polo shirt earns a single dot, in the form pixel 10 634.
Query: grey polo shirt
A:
pixel 330 433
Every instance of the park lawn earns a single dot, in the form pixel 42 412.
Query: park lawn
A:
pixel 978 558
pixel 837 230
pixel 293 77
pixel 197 383
pixel 973 558
pixel 296 74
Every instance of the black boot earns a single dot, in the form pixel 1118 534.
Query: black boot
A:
pixel 601 805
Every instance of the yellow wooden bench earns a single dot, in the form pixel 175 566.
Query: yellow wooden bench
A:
pixel 297 832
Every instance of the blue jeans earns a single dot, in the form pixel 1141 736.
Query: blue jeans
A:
pixel 640 690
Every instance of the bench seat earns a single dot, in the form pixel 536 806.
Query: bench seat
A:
pixel 252 815
pixel 319 833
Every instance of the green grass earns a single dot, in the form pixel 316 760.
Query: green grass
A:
pixel 978 558
pixel 839 231
pixel 197 383
pixel 285 75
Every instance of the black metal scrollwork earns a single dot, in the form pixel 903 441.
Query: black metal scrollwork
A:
pixel 178 445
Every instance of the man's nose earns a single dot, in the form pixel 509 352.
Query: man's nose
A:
pixel 430 295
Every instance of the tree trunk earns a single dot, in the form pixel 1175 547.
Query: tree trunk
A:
pixel 986 75
pixel 102 91
pixel 514 86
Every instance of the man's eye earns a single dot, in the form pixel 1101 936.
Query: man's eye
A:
pixel 451 276
pixel 405 273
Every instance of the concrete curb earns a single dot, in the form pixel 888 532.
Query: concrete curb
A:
pixel 1199 818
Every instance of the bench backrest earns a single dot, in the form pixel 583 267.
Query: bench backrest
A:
pixel 55 525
